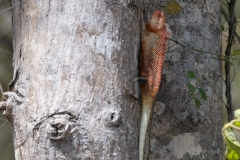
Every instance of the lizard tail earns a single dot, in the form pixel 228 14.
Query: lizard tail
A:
pixel 147 103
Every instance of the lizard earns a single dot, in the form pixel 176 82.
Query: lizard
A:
pixel 154 46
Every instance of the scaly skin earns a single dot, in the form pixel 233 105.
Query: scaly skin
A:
pixel 153 51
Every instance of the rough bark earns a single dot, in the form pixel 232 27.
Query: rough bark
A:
pixel 180 130
pixel 74 63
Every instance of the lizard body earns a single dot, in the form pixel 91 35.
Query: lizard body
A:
pixel 153 50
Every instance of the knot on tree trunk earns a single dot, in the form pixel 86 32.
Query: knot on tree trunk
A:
pixel 111 118
pixel 60 126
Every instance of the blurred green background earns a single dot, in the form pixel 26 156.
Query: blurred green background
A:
pixel 6 72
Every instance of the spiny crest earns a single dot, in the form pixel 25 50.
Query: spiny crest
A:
pixel 168 31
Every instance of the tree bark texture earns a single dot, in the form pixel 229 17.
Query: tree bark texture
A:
pixel 74 66
pixel 179 129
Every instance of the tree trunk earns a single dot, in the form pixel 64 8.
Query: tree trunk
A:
pixel 179 129
pixel 75 62
pixel 74 69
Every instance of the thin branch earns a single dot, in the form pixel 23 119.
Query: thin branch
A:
pixel 195 49
pixel 9 145
pixel 1 89
pixel 234 72
pixel 238 37
pixel 199 50
pixel 2 119
pixel 173 50
pixel 5 10
pixel 232 23
pixel 237 63
pixel 225 15
pixel 3 124
pixel 238 22
pixel 224 4
pixel 224 35
pixel 12 6
pixel 5 51
pixel 223 79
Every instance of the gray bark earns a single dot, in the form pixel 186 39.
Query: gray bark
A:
pixel 75 62
pixel 180 130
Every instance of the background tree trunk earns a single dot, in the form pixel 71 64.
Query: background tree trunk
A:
pixel 179 129
pixel 74 65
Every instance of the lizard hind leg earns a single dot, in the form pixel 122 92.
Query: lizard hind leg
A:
pixel 147 103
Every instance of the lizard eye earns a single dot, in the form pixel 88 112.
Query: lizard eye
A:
pixel 160 15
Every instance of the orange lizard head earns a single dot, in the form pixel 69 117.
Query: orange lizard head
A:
pixel 157 21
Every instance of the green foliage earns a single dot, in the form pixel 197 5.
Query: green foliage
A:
pixel 190 74
pixel 195 91
pixel 198 103
pixel 235 52
pixel 233 146
pixel 228 60
pixel 191 88
pixel 222 27
pixel 202 93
